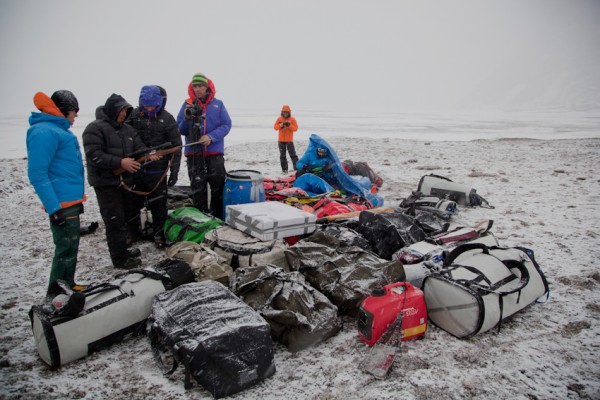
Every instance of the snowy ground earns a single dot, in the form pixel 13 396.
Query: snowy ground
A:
pixel 547 197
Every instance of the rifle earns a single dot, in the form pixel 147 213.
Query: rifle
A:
pixel 140 153
pixel 144 159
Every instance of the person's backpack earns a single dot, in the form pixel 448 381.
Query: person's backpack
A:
pixel 480 286
pixel 189 224
pixel 204 261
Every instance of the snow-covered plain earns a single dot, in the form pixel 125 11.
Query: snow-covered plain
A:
pixel 539 170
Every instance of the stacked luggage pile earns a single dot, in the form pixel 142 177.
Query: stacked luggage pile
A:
pixel 288 269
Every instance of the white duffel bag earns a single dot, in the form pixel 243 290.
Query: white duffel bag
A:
pixel 480 286
pixel 444 188
pixel 112 311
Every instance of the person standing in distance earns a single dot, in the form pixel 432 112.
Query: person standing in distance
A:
pixel 286 125
pixel 55 170
pixel 204 118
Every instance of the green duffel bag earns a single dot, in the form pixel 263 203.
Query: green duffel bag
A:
pixel 189 224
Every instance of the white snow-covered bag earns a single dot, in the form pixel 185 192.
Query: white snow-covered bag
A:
pixel 431 256
pixel 112 311
pixel 444 188
pixel 480 286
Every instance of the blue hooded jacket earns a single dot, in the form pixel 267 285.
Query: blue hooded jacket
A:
pixel 333 171
pixel 55 166
pixel 150 96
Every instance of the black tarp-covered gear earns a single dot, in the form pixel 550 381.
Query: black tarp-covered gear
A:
pixel 389 232
pixel 346 236
pixel 299 315
pixel 346 275
pixel 222 342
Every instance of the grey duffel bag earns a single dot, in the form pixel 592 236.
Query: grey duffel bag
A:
pixel 480 286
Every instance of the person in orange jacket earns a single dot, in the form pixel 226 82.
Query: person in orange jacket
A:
pixel 286 125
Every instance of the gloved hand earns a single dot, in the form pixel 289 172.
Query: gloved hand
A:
pixel 58 218
pixel 286 124
pixel 327 167
pixel 172 179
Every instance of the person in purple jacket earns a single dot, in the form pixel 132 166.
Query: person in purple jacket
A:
pixel 55 170
pixel 204 118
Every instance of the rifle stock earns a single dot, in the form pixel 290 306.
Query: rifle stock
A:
pixel 146 157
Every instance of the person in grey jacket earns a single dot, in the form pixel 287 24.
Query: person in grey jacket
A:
pixel 108 143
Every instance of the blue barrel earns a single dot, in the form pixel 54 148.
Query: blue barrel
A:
pixel 243 186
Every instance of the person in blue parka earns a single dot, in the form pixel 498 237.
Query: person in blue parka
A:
pixel 204 118
pixel 55 170
pixel 156 127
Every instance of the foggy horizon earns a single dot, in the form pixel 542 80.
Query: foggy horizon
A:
pixel 389 56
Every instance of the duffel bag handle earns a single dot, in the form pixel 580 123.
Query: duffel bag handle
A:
pixel 449 259
pixel 440 177
pixel 510 264
pixel 99 288
pixel 155 343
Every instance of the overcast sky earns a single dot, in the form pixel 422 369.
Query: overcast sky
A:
pixel 334 55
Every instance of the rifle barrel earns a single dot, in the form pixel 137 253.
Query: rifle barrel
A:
pixel 160 153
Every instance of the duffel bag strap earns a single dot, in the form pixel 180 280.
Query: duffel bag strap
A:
pixel 493 288
pixel 463 248
pixel 467 282
pixel 514 264
pixel 99 288
pixel 439 177
pixel 155 344
pixel 145 273
pixel 186 223
pixel 531 256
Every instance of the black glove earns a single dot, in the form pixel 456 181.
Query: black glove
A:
pixel 58 218
pixel 172 180
pixel 286 124
pixel 327 167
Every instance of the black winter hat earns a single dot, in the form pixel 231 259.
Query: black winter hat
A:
pixel 113 106
pixel 65 101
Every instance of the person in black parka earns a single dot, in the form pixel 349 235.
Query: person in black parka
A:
pixel 107 143
pixel 156 127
